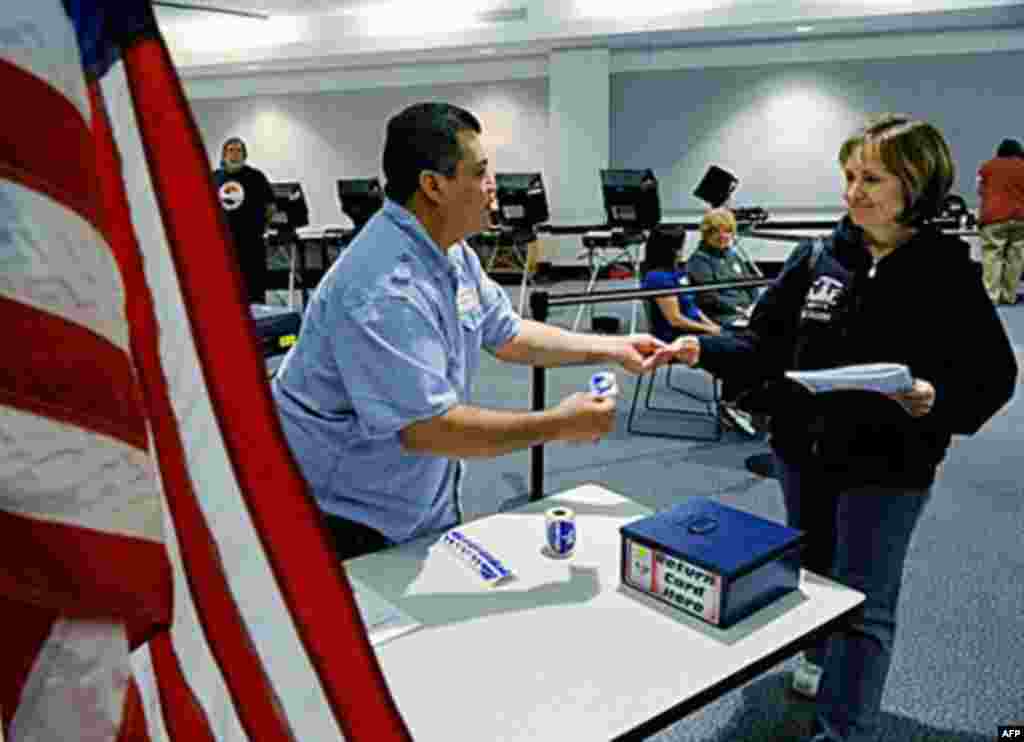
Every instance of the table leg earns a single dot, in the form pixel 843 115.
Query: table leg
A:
pixel 522 290
pixel 291 275
pixel 595 268
pixel 636 278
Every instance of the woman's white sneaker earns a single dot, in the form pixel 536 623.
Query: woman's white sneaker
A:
pixel 806 678
pixel 737 419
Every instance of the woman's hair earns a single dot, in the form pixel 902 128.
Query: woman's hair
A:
pixel 662 249
pixel 916 153
pixel 1010 148
pixel 714 219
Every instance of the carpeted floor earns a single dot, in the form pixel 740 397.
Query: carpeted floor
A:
pixel 958 671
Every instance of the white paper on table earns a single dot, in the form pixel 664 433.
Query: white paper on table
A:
pixel 383 620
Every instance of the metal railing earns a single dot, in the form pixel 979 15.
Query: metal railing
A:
pixel 540 304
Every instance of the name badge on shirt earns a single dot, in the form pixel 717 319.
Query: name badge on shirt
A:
pixel 467 300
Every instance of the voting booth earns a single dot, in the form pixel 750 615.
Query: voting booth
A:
pixel 522 200
pixel 290 208
pixel 631 199
pixel 716 187
pixel 360 199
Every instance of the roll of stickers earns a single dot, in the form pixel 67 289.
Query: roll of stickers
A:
pixel 603 384
pixel 560 531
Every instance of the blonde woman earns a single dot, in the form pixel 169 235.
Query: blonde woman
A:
pixel 715 261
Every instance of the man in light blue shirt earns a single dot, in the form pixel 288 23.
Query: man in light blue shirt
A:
pixel 375 397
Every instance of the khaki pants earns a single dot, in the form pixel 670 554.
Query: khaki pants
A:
pixel 534 255
pixel 1002 259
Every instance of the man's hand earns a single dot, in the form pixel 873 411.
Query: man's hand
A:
pixel 685 349
pixel 638 353
pixel 586 416
pixel 917 400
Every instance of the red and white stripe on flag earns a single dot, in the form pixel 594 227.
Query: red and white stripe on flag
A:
pixel 140 454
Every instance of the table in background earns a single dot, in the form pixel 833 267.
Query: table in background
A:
pixel 297 261
pixel 605 248
pixel 564 651
pixel 503 250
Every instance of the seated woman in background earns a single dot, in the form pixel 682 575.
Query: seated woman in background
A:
pixel 674 316
pixel 671 316
pixel 715 261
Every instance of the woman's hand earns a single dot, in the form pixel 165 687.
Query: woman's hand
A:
pixel 686 349
pixel 917 400
pixel 637 353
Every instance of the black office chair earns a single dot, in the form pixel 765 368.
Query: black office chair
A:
pixel 710 400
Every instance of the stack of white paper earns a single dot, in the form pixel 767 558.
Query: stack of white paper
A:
pixel 885 378
pixel 383 620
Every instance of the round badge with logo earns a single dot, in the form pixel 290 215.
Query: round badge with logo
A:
pixel 231 195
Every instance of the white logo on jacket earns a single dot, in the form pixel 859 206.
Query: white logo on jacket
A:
pixel 822 298
pixel 231 194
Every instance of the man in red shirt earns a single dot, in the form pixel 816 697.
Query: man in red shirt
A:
pixel 1001 188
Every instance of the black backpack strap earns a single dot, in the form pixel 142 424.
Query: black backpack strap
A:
pixel 817 248
pixel 762 396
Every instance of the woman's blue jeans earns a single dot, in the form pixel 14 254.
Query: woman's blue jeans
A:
pixel 857 537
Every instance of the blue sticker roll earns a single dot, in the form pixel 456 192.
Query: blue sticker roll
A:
pixel 560 530
pixel 603 384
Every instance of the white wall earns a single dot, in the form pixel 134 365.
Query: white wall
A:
pixel 318 138
pixel 579 133
pixel 776 125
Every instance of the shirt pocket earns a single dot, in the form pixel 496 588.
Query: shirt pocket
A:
pixel 471 320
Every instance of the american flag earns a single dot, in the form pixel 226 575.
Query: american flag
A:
pixel 164 573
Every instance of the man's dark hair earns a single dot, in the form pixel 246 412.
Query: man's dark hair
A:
pixel 1010 148
pixel 423 137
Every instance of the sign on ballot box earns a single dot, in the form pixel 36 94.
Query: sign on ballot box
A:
pixel 711 561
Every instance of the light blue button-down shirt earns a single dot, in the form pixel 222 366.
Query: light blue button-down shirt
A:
pixel 392 335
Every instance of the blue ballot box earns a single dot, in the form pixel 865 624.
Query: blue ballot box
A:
pixel 710 560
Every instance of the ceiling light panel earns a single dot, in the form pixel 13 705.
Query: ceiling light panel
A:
pixel 638 8
pixel 207 32
pixel 408 18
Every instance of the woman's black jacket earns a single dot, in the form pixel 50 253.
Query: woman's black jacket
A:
pixel 922 305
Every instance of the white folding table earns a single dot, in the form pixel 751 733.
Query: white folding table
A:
pixel 564 651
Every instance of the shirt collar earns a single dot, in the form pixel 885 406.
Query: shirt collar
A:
pixel 422 243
